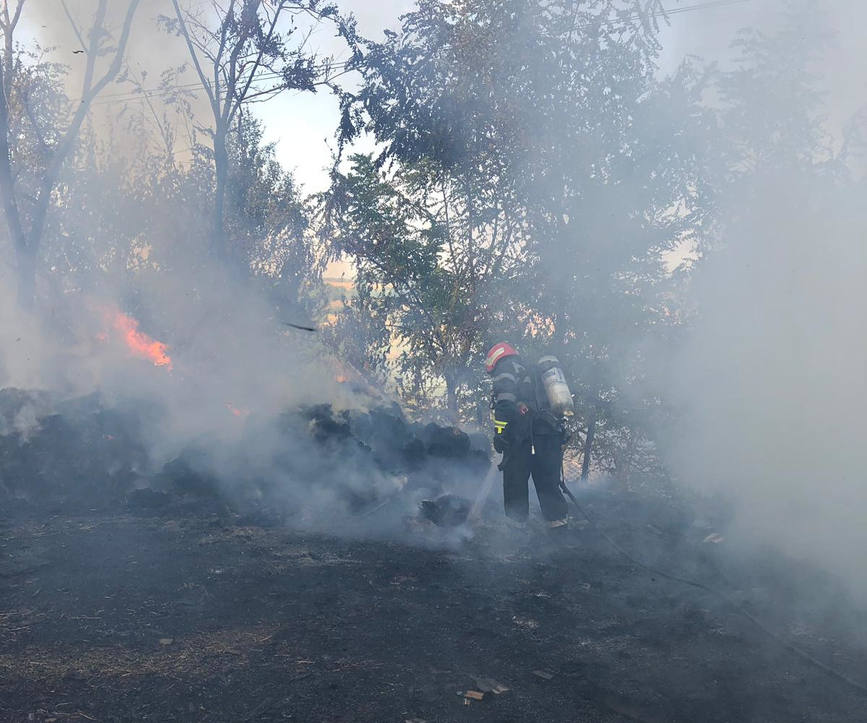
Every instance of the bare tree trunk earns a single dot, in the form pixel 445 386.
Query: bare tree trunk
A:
pixel 29 253
pixel 221 171
pixel 588 444
pixel 452 395
pixel 7 182
pixel 26 259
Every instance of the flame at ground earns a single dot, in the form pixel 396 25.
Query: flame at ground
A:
pixel 139 343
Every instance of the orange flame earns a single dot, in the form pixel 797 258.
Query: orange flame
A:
pixel 241 413
pixel 139 343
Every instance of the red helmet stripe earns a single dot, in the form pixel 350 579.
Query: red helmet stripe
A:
pixel 497 352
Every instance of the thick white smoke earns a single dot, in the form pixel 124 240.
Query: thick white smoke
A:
pixel 227 350
pixel 771 385
pixel 773 380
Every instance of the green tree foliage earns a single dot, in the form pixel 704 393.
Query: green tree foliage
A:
pixel 421 266
pixel 569 172
pixel 267 221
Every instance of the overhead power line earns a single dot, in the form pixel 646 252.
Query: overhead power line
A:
pixel 702 6
pixel 194 86
pixel 665 12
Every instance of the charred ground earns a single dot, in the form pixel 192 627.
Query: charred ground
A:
pixel 182 604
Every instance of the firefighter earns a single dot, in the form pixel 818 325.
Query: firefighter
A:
pixel 529 435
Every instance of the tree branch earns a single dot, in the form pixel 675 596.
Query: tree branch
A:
pixel 93 51
pixel 7 185
pixel 224 31
pixel 65 146
pixel 195 58
pixel 8 26
pixel 240 97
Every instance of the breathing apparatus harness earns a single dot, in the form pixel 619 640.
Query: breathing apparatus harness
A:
pixel 552 396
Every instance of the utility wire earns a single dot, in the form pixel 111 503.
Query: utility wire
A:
pixel 665 12
pixel 702 6
pixel 124 96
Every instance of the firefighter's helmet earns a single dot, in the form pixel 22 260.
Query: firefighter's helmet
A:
pixel 497 352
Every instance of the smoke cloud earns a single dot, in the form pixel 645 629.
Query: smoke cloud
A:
pixel 771 383
pixel 230 406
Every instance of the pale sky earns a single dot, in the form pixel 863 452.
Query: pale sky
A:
pixel 302 125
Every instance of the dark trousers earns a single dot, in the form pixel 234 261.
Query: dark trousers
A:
pixel 519 463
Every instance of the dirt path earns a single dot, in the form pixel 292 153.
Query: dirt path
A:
pixel 161 618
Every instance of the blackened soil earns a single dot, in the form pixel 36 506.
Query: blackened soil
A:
pixel 201 618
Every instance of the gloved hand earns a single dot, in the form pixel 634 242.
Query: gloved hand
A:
pixel 502 441
pixel 565 434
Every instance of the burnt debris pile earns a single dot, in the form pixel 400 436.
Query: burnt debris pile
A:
pixel 53 451
pixel 306 463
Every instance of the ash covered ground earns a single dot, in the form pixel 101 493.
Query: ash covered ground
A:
pixel 140 591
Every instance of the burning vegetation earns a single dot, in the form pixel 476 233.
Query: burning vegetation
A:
pixel 137 342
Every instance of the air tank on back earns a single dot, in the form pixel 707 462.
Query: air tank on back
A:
pixel 556 388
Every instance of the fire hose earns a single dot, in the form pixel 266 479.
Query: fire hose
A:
pixel 736 606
